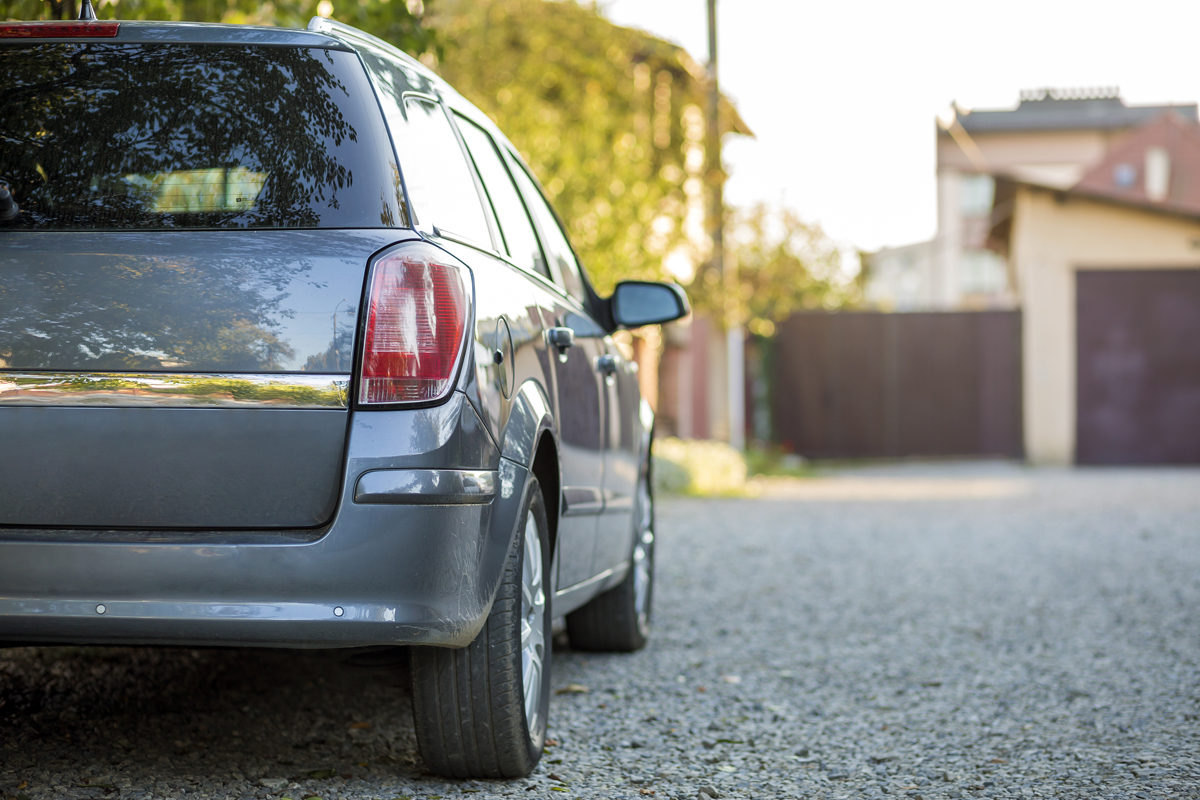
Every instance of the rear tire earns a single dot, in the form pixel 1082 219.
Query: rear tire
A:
pixel 480 712
pixel 619 619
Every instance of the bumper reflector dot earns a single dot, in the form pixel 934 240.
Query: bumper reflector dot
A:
pixel 100 609
pixel 337 612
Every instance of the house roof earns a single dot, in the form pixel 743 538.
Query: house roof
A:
pixel 1121 175
pixel 1068 109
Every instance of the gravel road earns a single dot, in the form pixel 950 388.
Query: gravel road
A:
pixel 920 631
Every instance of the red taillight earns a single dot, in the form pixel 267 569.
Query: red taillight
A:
pixel 59 30
pixel 416 318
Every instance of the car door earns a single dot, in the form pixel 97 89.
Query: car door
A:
pixel 622 438
pixel 580 389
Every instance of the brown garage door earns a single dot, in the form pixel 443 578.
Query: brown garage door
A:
pixel 1138 373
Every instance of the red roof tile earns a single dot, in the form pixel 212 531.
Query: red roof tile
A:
pixel 1121 175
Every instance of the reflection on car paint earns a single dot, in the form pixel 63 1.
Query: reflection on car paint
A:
pixel 167 390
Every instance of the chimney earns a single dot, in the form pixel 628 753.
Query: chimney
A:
pixel 1158 173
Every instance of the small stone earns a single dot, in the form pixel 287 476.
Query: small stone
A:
pixel 707 792
pixel 273 783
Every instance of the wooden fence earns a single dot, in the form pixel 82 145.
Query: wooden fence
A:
pixel 869 384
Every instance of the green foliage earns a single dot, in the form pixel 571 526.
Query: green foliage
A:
pixel 394 20
pixel 772 461
pixel 698 467
pixel 784 265
pixel 604 115
pixel 193 389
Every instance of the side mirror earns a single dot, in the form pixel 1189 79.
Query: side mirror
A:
pixel 638 303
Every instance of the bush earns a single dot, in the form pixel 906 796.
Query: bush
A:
pixel 696 467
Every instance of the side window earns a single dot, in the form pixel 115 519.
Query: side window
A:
pixel 519 239
pixel 439 181
pixel 557 249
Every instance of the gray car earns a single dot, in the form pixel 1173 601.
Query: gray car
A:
pixel 294 353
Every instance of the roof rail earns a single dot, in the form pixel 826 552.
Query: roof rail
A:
pixel 341 30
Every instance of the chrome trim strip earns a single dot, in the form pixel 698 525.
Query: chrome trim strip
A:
pixel 609 578
pixel 173 390
pixel 426 486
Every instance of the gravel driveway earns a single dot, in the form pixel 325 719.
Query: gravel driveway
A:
pixel 922 631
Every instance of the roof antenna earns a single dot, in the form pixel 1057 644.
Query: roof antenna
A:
pixel 86 12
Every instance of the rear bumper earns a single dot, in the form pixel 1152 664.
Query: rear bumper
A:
pixel 385 572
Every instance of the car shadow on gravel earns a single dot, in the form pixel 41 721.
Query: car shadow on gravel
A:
pixel 97 717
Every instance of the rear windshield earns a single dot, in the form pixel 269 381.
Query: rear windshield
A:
pixel 119 136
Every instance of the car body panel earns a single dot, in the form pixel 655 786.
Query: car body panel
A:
pixel 623 454
pixel 128 310
pixel 399 573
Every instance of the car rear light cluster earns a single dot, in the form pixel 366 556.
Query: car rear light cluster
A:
pixel 417 314
pixel 59 30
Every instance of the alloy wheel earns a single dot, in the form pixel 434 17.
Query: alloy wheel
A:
pixel 533 630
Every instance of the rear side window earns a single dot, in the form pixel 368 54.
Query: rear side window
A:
pixel 558 250
pixel 436 172
pixel 435 169
pixel 103 136
pixel 519 239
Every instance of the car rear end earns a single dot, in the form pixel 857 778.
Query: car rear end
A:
pixel 228 413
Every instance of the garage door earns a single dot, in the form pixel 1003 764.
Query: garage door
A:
pixel 1139 367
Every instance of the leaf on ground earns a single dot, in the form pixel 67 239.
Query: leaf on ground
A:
pixel 22 785
pixel 361 726
pixel 557 789
pixel 362 763
pixel 321 774
pixel 646 791
pixel 551 743
pixel 572 688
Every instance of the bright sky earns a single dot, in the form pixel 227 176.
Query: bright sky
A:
pixel 842 94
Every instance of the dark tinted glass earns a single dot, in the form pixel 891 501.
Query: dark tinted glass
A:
pixel 103 136
pixel 558 250
pixel 439 180
pixel 519 238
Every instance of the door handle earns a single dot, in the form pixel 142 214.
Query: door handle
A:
pixel 561 338
pixel 607 365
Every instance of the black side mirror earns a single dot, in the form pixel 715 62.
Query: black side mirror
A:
pixel 638 303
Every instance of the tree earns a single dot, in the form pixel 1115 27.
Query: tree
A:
pixel 609 118
pixel 783 264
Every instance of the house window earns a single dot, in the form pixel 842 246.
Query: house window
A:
pixel 976 193
pixel 1124 175
pixel 983 272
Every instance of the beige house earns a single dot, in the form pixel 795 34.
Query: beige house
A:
pixel 1108 275
pixel 1084 213
pixel 1052 138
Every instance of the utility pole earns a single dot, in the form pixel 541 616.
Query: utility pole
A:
pixel 734 347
